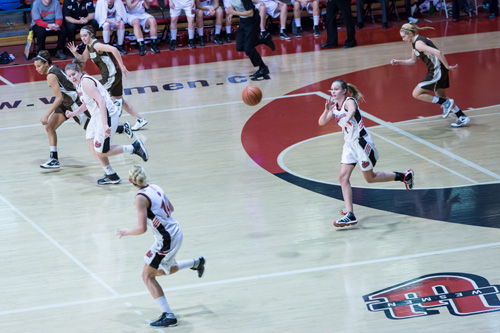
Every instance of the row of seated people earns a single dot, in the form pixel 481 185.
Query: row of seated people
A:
pixel 112 15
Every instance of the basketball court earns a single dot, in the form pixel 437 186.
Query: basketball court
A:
pixel 255 191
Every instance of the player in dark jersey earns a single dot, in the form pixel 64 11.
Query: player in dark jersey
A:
pixel 66 98
pixel 436 79
pixel 110 63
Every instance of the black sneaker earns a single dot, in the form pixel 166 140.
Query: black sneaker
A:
pixel 298 34
pixel 316 31
pixel 218 40
pixel 60 54
pixel 121 49
pixel 264 70
pixel 284 35
pixel 173 44
pixel 165 320
pixel 142 48
pixel 140 150
pixel 109 179
pixel 52 163
pixel 199 265
pixel 408 180
pixel 264 34
pixel 191 44
pixel 154 46
pixel 127 130
pixel 347 220
pixel 268 40
pixel 228 39
pixel 201 41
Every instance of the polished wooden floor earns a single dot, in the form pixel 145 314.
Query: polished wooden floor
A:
pixel 255 191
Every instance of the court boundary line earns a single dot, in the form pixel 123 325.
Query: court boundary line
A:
pixel 59 246
pixel 254 277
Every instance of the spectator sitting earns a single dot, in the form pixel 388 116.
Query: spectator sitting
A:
pixel 46 21
pixel 360 12
pixel 312 7
pixel 229 20
pixel 137 18
pixel 209 8
pixel 111 15
pixel 78 13
pixel 274 8
pixel 176 8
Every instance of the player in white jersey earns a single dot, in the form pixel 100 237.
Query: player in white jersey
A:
pixel 154 210
pixel 176 8
pixel 273 8
pixel 209 8
pixel 228 20
pixel 137 18
pixel 312 7
pixel 111 15
pixel 358 146
pixel 103 123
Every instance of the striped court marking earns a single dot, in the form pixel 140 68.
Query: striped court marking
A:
pixel 59 246
pixel 6 81
pixel 256 277
pixel 424 142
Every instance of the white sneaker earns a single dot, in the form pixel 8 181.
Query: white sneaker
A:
pixel 119 105
pixel 52 163
pixel 461 121
pixel 447 107
pixel 140 123
pixel 127 130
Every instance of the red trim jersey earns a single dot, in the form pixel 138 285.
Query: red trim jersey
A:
pixel 160 220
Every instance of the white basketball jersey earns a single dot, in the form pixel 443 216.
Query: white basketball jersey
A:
pixel 207 3
pixel 111 12
pixel 139 9
pixel 92 106
pixel 355 126
pixel 160 218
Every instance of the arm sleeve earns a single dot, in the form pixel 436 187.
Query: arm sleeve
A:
pixel 248 4
pixel 41 23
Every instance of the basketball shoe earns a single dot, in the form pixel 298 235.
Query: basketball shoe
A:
pixel 166 320
pixel 299 32
pixel 127 130
pixel 139 123
pixel 173 44
pixel 447 107
pixel 140 150
pixel 347 220
pixel 284 35
pixel 408 180
pixel 52 163
pixel 461 121
pixel 316 31
pixel 199 265
pixel 109 179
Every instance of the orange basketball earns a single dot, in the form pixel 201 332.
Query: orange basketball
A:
pixel 251 95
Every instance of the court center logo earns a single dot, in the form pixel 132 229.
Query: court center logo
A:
pixel 461 293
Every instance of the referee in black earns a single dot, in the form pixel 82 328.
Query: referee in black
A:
pixel 248 32
pixel 332 9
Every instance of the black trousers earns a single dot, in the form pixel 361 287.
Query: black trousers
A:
pixel 360 9
pixel 247 38
pixel 71 28
pixel 332 9
pixel 41 34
